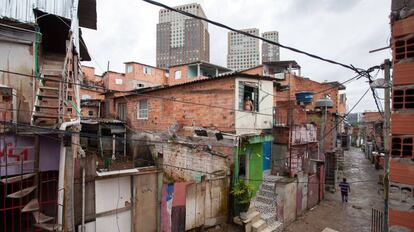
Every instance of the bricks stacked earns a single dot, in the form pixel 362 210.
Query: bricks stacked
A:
pixel 402 116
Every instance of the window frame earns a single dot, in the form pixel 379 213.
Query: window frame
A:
pixel 147 70
pixel 141 110
pixel 175 75
pixel 254 95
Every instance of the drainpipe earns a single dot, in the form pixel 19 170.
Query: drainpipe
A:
pixel 113 146
pixel 83 199
pixel 61 182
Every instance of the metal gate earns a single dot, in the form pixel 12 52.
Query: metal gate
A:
pixel 377 220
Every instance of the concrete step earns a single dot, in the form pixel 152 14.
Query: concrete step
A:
pixel 263 207
pixel 268 186
pixel 258 226
pixel 274 227
pixel 269 217
pixel 266 193
pixel 252 217
pixel 266 200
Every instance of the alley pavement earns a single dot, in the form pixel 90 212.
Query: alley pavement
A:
pixel 355 215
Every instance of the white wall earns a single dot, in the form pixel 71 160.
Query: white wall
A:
pixel 114 193
pixel 255 121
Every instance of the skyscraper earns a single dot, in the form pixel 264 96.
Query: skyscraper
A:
pixel 243 51
pixel 182 39
pixel 270 52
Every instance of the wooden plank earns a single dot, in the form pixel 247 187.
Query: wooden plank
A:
pixel 41 218
pixel 18 178
pixel 33 205
pixel 22 193
pixel 49 227
pixel 114 211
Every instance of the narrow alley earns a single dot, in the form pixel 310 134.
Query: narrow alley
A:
pixel 356 214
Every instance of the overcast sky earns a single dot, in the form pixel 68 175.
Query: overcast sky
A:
pixel 343 30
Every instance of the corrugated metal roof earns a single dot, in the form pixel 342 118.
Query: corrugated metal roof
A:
pixel 22 11
pixel 233 74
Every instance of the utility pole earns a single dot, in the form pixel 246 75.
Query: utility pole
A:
pixel 387 112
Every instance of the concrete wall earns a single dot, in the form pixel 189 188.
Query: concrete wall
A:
pixel 145 202
pixel 286 202
pixel 182 163
pixel 247 122
pixel 17 56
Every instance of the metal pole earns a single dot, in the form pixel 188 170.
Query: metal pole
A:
pixel 387 110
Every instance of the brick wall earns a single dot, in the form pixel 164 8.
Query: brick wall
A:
pixel 162 113
pixel 299 84
pixel 156 76
pixel 109 80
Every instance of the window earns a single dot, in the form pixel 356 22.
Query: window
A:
pixel 147 70
pixel 402 146
pixel 142 109
pixel 403 99
pixel 118 81
pixel 129 68
pixel 122 111
pixel 248 96
pixel 86 97
pixel 177 75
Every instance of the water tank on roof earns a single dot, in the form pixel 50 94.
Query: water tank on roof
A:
pixel 324 102
pixel 304 97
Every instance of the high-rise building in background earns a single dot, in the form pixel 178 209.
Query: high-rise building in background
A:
pixel 270 52
pixel 181 39
pixel 243 51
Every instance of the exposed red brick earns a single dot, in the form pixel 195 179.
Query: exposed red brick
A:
pixel 402 173
pixel 403 27
pixel 402 218
pixel 163 112
pixel 402 123
pixel 403 73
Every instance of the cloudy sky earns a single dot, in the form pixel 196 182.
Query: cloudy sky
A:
pixel 342 30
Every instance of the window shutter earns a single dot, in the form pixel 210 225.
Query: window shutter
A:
pixel 241 96
pixel 256 99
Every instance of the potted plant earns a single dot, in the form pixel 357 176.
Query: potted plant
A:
pixel 242 193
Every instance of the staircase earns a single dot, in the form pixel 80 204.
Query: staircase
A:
pixel 262 213
pixel 331 171
pixel 41 220
pixel 51 107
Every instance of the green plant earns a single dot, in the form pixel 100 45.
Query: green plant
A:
pixel 243 193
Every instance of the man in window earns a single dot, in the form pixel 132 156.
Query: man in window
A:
pixel 248 104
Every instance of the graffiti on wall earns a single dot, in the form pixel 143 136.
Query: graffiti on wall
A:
pixel 18 153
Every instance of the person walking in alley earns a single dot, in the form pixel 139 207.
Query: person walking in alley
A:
pixel 345 188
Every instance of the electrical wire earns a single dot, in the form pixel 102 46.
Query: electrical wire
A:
pixel 351 67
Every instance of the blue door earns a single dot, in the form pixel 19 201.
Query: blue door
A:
pixel 267 146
